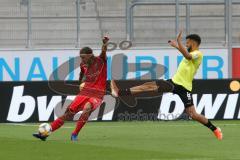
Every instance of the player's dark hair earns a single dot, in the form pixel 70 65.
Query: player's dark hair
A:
pixel 86 50
pixel 195 38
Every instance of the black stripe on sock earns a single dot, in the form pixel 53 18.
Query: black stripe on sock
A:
pixel 210 126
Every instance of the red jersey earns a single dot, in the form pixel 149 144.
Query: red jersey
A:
pixel 95 78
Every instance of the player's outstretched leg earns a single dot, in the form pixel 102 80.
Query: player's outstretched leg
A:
pixel 154 86
pixel 82 121
pixel 68 115
pixel 200 118
pixel 146 87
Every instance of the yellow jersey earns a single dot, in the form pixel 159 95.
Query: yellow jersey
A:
pixel 187 69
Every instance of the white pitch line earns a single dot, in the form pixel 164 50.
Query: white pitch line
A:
pixel 118 126
pixel 27 125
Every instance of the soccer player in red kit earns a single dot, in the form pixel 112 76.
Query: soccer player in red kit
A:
pixel 93 78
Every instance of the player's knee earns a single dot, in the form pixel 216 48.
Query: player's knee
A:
pixel 191 112
pixel 88 107
pixel 68 115
pixel 193 115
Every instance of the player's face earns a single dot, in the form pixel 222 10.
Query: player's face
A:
pixel 189 45
pixel 85 57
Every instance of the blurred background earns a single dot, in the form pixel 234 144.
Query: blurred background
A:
pixel 38 36
pixel 147 23
pixel 39 65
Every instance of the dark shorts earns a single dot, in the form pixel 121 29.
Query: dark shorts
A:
pixel 184 94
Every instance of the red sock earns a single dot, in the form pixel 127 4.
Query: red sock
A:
pixel 80 123
pixel 57 124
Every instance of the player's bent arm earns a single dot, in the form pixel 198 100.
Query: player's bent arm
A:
pixel 173 43
pixel 182 48
pixel 103 54
pixel 80 78
pixel 81 83
pixel 81 75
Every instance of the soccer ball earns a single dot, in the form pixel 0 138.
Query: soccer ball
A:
pixel 44 129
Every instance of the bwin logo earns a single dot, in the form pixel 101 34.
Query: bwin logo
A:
pixel 207 104
pixel 189 96
pixel 22 107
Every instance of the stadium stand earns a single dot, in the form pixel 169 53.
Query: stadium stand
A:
pixel 54 23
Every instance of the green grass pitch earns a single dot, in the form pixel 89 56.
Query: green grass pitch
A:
pixel 178 140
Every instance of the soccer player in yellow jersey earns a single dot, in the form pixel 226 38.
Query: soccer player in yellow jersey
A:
pixel 181 83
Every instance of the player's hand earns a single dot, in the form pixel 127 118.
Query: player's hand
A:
pixel 173 43
pixel 81 86
pixel 105 39
pixel 179 36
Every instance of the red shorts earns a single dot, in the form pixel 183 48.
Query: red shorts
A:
pixel 79 102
